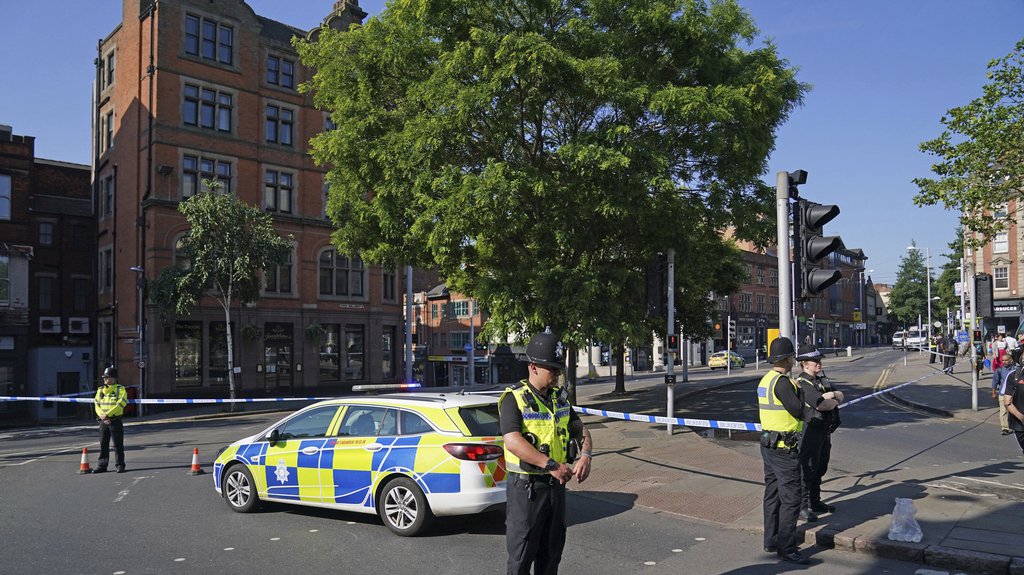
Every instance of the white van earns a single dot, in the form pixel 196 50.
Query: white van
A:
pixel 910 339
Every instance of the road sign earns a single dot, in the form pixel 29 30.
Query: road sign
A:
pixel 670 379
pixel 962 336
pixel 468 347
pixel 856 315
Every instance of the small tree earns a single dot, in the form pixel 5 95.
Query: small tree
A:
pixel 909 294
pixel 228 245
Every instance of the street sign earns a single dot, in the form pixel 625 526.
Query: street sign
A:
pixel 856 315
pixel 957 288
pixel 962 336
pixel 670 379
pixel 860 326
pixel 468 347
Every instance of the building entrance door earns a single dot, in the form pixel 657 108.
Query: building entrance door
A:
pixel 277 356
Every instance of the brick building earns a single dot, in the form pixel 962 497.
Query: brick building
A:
pixel 195 90
pixel 47 303
pixel 1001 258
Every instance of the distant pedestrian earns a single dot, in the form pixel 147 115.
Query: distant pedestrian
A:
pixel 1006 371
pixel 950 347
pixel 1012 396
pixel 821 418
pixel 835 345
pixel 110 401
pixel 780 408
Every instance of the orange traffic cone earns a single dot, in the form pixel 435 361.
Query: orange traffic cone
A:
pixel 84 468
pixel 196 469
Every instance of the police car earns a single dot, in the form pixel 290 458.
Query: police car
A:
pixel 407 458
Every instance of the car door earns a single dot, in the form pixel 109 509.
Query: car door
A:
pixel 358 452
pixel 292 465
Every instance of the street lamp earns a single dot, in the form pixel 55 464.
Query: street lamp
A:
pixel 928 277
pixel 862 304
pixel 141 331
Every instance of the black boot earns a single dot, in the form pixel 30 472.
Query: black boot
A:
pixel 808 515
pixel 819 507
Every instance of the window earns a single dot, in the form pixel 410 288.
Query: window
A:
pixel 1001 243
pixel 46 288
pixel 330 352
pixel 460 308
pixel 759 275
pixel 195 169
pixel 80 295
pixel 188 353
pixel 279 280
pixel 312 423
pixel 5 197
pixel 280 72
pixel 773 304
pixel 760 303
pixel 353 352
pixel 329 123
pixel 5 281
pixel 280 125
pixel 389 281
pixel 745 301
pixel 108 131
pixel 207 108
pixel 208 39
pixel 278 188
pixel 366 421
pixel 217 365
pixel 182 258
pixel 106 273
pixel 341 275
pixel 107 198
pixel 1001 276
pixel 433 311
pixel 45 234
pixel 773 278
pixel 109 72
pixel 387 352
pixel 413 424
pixel 1000 212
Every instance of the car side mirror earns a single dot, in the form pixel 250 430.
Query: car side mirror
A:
pixel 274 437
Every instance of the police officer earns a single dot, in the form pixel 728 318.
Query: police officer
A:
pixel 110 401
pixel 542 435
pixel 780 407
pixel 821 418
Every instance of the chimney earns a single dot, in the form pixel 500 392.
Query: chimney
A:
pixel 345 13
pixel 5 133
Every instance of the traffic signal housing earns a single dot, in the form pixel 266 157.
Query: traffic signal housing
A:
pixel 815 247
pixel 732 329
pixel 673 341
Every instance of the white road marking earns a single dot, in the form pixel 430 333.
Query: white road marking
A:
pixel 997 483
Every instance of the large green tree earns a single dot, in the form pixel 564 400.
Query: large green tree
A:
pixel 540 152
pixel 909 296
pixel 227 247
pixel 980 152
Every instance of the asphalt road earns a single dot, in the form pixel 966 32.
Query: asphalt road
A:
pixel 157 519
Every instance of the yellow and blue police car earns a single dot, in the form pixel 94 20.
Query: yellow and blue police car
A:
pixel 406 457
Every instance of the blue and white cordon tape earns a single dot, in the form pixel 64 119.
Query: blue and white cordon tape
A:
pixel 681 421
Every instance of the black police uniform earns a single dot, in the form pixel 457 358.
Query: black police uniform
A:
pixel 816 443
pixel 535 508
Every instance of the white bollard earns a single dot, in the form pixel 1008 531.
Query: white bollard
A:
pixel 849 351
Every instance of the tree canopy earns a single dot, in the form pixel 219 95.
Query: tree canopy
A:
pixel 539 153
pixel 980 152
pixel 945 285
pixel 228 246
pixel 909 296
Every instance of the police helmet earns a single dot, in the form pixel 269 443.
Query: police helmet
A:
pixel 545 349
pixel 110 372
pixel 780 349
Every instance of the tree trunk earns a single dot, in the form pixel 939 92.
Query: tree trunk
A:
pixel 231 358
pixel 620 364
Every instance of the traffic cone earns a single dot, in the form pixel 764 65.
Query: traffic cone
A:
pixel 84 468
pixel 196 469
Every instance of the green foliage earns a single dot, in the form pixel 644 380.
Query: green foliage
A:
pixel 980 152
pixel 945 285
pixel 909 296
pixel 540 152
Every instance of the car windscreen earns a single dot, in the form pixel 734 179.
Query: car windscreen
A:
pixel 481 419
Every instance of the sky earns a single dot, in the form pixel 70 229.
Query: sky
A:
pixel 882 74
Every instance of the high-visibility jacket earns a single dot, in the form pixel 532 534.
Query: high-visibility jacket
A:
pixel 551 428
pixel 110 400
pixel 773 414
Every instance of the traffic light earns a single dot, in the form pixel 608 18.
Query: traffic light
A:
pixel 814 247
pixel 673 341
pixel 654 285
pixel 732 328
pixel 983 291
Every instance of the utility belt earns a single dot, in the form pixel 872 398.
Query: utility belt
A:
pixel 771 439
pixel 533 478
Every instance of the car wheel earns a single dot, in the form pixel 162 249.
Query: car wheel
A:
pixel 239 489
pixel 403 507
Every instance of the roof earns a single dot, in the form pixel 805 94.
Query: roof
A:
pixel 421 399
pixel 438 291
pixel 279 31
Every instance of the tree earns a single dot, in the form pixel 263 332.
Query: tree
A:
pixel 909 295
pixel 228 245
pixel 945 286
pixel 981 152
pixel 540 152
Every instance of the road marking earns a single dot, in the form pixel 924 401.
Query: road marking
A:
pixel 997 483
pixel 55 452
pixel 958 490
pixel 124 492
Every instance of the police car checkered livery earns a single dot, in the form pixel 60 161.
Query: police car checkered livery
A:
pixel 405 457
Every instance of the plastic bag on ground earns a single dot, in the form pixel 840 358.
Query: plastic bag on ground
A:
pixel 904 526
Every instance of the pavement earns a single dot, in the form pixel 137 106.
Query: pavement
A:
pixel 690 475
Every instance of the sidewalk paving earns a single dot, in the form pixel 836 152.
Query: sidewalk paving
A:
pixel 689 475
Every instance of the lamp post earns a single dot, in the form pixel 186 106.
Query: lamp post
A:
pixel 861 303
pixel 928 278
pixel 140 327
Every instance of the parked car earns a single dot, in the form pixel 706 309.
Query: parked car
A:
pixel 910 339
pixel 406 457
pixel 718 360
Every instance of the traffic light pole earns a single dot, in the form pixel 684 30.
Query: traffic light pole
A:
pixel 670 377
pixel 974 350
pixel 782 235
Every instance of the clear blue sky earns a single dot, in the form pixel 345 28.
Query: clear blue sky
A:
pixel 883 73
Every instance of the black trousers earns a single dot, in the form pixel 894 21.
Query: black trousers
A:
pixel 1020 439
pixel 815 451
pixel 534 524
pixel 114 430
pixel 781 498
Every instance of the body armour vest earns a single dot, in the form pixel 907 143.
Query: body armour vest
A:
pixel 550 428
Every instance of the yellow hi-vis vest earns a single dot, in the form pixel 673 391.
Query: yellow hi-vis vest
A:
pixel 551 428
pixel 110 400
pixel 773 414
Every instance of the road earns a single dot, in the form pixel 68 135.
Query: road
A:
pixel 157 519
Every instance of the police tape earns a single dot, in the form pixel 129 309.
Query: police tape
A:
pixel 164 401
pixel 718 424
